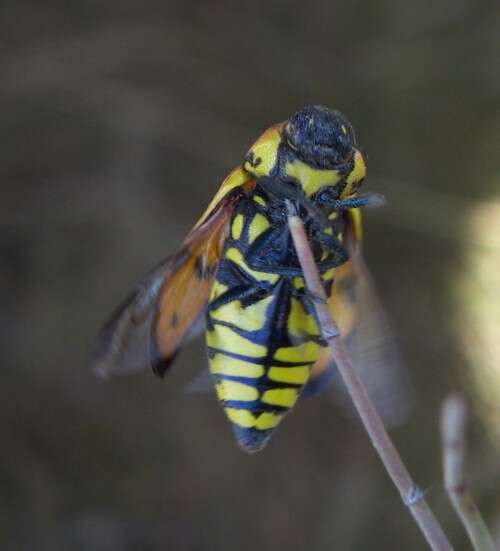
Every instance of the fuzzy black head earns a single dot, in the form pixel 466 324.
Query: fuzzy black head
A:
pixel 321 137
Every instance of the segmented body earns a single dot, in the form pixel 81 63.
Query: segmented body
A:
pixel 262 335
pixel 238 265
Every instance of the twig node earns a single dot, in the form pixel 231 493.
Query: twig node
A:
pixel 414 495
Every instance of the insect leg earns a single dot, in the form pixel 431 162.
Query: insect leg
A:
pixel 243 293
pixel 267 252
pixel 258 255
pixel 289 188
pixel 370 199
pixel 333 245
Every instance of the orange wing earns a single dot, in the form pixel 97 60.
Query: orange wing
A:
pixel 152 323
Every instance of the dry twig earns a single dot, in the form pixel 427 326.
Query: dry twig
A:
pixel 411 495
pixel 453 423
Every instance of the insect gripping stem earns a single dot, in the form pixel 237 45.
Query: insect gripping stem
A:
pixel 411 495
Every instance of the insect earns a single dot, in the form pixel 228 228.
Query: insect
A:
pixel 238 272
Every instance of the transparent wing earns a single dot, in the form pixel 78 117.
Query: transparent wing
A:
pixel 123 344
pixel 371 343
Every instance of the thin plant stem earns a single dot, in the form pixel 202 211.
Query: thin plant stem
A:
pixel 411 495
pixel 453 426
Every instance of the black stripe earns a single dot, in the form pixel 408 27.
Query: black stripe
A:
pixel 260 383
pixel 250 335
pixel 262 360
pixel 255 407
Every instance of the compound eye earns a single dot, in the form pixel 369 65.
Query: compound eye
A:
pixel 345 142
pixel 348 132
pixel 289 137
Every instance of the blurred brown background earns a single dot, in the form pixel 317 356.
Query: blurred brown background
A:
pixel 119 120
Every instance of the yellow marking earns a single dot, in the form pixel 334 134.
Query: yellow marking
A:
pixel 246 419
pixel 237 226
pixel 265 149
pixel 221 364
pixel 324 255
pixel 235 255
pixel 258 225
pixel 298 282
pixel 224 338
pixel 241 417
pixel 328 274
pixel 259 200
pixel 307 352
pixel 284 397
pixel 267 420
pixel 356 221
pixel 217 290
pixel 329 231
pixel 311 179
pixel 235 178
pixel 232 390
pixel 343 311
pixel 299 321
pixel 293 375
pixel 356 175
pixel 251 318
pixel 344 129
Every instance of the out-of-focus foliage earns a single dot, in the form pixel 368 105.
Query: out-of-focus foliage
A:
pixel 119 120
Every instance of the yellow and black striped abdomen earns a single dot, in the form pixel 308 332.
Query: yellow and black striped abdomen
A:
pixel 261 337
